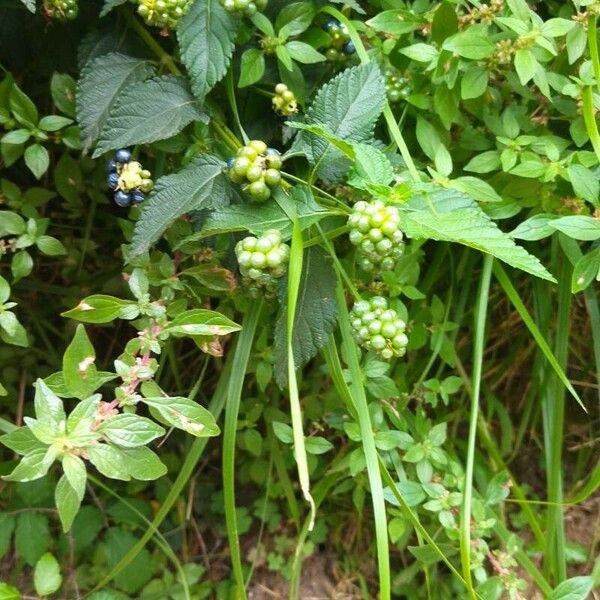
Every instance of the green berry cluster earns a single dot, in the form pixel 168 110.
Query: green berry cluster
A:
pixel 245 7
pixel 163 13
pixel 396 86
pixel 257 168
pixel 340 45
pixel 262 260
pixel 378 328
pixel 61 10
pixel 284 101
pixel 374 229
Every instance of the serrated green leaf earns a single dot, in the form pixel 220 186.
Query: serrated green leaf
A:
pixel 348 106
pixel 206 38
pixel 46 575
pixel 315 316
pixel 29 4
pixel 9 592
pixel 109 5
pixel 102 81
pixel 467 225
pixel 201 184
pixel 148 111
pixel 32 536
pixel 258 219
pixel 185 414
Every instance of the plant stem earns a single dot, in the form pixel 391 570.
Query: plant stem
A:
pixel 479 328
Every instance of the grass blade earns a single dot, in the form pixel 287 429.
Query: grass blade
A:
pixel 234 394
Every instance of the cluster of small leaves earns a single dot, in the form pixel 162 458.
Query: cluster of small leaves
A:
pixel 27 134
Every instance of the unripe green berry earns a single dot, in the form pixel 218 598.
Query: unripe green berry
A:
pixel 374 229
pixel 378 328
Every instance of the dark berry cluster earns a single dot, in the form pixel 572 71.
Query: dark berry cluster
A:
pixel 340 45
pixel 163 13
pixel 245 7
pixel 375 230
pixel 284 101
pixel 396 86
pixel 262 260
pixel 378 328
pixel 127 179
pixel 61 10
pixel 257 168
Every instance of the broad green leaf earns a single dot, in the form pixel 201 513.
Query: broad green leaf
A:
pixel 421 52
pixel 32 466
pixel 63 90
pixel 109 461
pixel 185 414
pixel 130 430
pixel 50 246
pixel 11 223
pixel 206 38
pixel 199 321
pixel 258 219
pixel 67 502
pixel 54 123
pixel 37 159
pixel 148 111
pixel 117 543
pixel 526 65
pixel 29 4
pixel 557 27
pixel 585 270
pixel 534 228
pixel 22 441
pixel 576 588
pixel 102 81
pixel 579 227
pixel 473 43
pixel 371 165
pixel 252 67
pixel 436 217
pixel 143 464
pixel 315 315
pixel 474 82
pixel 46 575
pixel 22 107
pixel 348 106
pixel 584 182
pixel 32 536
pixel 317 445
pixel 100 308
pixel 294 18
pixel 75 473
pixel 79 370
pixel 303 53
pixel 48 406
pixel 201 184
pixel 396 22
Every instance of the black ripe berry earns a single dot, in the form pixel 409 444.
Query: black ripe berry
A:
pixel 123 155
pixel 113 180
pixel 122 198
pixel 137 196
